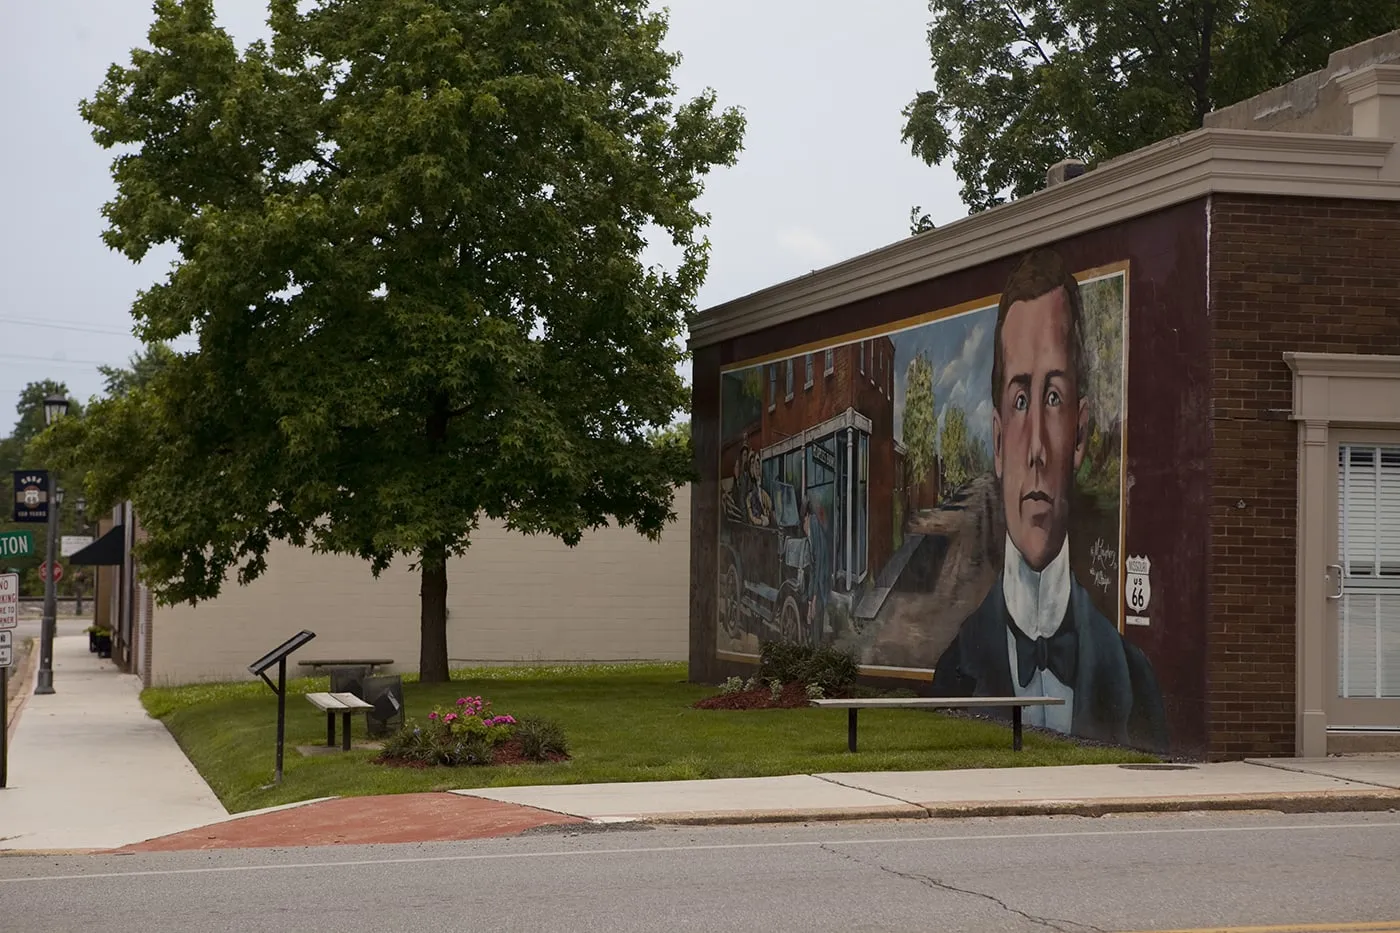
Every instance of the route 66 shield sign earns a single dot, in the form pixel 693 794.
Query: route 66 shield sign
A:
pixel 1138 585
pixel 31 496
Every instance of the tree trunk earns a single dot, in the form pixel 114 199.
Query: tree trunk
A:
pixel 432 651
pixel 432 563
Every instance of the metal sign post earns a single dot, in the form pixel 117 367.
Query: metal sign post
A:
pixel 278 656
pixel 9 620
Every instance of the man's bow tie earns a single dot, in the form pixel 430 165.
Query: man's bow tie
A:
pixel 1058 654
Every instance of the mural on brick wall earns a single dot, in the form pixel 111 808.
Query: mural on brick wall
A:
pixel 946 494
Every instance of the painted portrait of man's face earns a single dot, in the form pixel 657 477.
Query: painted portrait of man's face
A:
pixel 1039 424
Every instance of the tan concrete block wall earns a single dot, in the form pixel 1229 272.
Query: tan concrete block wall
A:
pixel 511 598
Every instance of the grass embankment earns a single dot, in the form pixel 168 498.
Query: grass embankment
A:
pixel 624 723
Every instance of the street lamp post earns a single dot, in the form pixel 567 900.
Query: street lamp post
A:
pixel 82 529
pixel 55 407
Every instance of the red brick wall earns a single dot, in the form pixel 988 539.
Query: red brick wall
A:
pixel 1285 274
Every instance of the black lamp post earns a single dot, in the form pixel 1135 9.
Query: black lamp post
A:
pixel 55 407
pixel 81 504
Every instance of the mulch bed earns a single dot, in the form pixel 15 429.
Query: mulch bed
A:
pixel 793 696
pixel 509 752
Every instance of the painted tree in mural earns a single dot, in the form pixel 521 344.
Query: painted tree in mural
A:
pixel 409 235
pixel 1021 85
pixel 920 426
pixel 955 443
pixel 1103 348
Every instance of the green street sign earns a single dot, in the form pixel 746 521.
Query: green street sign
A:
pixel 16 544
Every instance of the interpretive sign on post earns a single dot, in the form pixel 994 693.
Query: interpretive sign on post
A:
pixel 16 544
pixel 68 545
pixel 259 667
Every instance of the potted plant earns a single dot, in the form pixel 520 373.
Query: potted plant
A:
pixel 100 640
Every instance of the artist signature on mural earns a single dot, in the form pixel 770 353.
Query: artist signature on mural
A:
pixel 1103 564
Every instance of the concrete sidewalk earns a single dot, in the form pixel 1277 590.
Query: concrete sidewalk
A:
pixel 1297 786
pixel 1362 783
pixel 89 769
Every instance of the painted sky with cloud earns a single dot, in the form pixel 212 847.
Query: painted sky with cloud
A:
pixel 960 351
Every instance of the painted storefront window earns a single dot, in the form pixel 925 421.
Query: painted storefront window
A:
pixel 949 500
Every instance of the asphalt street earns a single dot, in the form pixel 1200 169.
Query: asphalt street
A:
pixel 1323 871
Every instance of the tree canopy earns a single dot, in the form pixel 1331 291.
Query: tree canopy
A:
pixel 409 237
pixel 1019 86
pixel 139 371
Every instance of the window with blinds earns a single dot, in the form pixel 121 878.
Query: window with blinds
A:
pixel 1368 525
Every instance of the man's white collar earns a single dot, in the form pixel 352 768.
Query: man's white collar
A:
pixel 1037 602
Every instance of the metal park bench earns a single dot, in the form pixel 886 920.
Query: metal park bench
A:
pixel 1016 703
pixel 333 704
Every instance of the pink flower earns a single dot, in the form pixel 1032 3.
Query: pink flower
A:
pixel 449 717
pixel 462 701
pixel 432 715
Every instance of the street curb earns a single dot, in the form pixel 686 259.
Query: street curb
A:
pixel 25 672
pixel 818 815
pixel 1304 802
pixel 246 814
pixel 20 853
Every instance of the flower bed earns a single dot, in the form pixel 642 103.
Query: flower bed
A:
pixel 791 696
pixel 468 733
pixel 789 676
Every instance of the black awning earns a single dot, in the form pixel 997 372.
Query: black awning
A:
pixel 106 551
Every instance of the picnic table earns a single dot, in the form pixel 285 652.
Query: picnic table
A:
pixel 371 663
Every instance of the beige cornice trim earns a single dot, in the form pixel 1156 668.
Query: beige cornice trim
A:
pixel 1171 172
pixel 1343 365
pixel 1381 80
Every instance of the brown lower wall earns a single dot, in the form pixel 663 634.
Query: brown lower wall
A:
pixel 1285 274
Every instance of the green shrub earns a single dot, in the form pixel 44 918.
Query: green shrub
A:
pixel 781 660
pixel 731 685
pixel 831 669
pixel 540 738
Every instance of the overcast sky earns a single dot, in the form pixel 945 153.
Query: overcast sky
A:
pixel 823 176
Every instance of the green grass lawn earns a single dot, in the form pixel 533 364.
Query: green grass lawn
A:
pixel 624 723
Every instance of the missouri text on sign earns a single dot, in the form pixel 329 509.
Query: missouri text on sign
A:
pixel 16 544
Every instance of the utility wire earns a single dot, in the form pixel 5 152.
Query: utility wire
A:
pixel 65 325
pixel 83 328
pixel 39 360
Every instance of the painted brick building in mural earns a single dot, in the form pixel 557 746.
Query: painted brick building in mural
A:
pixel 1160 408
pixel 808 445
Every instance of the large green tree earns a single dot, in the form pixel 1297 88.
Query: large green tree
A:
pixel 1020 85
pixel 409 237
pixel 139 371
